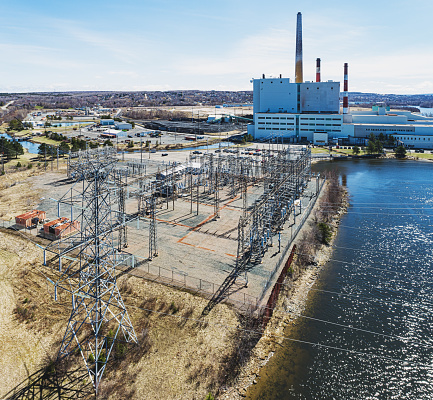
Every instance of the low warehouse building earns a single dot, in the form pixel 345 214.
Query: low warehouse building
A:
pixel 61 227
pixel 30 219
pixel 123 125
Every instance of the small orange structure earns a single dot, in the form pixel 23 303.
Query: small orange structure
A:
pixel 31 218
pixel 61 227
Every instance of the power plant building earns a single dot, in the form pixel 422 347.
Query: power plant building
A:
pixel 300 111
pixel 295 111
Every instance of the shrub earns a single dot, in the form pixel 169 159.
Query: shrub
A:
pixel 120 350
pixel 25 313
pixel 325 232
pixel 173 308
pixel 30 166
pixel 209 397
pixel 400 152
pixel 19 165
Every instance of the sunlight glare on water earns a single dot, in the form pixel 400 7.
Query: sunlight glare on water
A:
pixel 382 258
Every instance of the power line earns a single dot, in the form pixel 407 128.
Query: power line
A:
pixel 362 229
pixel 385 208
pixel 375 203
pixel 375 268
pixel 406 340
pixel 361 330
pixel 380 213
pixel 371 298
pixel 362 297
pixel 363 250
pixel 253 331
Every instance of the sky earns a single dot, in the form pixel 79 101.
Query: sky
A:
pixel 126 45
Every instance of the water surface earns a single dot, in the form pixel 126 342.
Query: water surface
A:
pixel 382 268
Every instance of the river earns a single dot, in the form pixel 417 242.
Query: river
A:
pixel 379 281
pixel 31 147
pixel 425 111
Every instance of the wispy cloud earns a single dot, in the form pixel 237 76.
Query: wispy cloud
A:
pixel 113 43
pixel 250 55
pixel 34 55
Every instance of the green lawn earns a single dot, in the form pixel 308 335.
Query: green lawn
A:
pixel 43 139
pixel 25 159
pixel 426 156
pixel 325 150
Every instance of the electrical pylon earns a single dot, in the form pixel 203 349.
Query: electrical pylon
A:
pixel 87 262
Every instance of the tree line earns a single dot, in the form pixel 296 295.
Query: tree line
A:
pixel 10 148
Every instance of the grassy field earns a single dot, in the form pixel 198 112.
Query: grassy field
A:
pixel 43 139
pixel 424 156
pixel 180 353
pixel 349 152
pixel 325 150
pixel 29 162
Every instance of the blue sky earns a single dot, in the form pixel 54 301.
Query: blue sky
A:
pixel 222 44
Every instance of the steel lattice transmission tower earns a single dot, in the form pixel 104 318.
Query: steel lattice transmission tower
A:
pixel 153 239
pixel 99 318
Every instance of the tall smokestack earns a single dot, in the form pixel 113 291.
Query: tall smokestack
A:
pixel 318 70
pixel 346 89
pixel 299 78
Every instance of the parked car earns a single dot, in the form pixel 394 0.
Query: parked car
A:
pixel 197 152
pixel 164 154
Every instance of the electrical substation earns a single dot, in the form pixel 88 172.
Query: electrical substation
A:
pixel 219 225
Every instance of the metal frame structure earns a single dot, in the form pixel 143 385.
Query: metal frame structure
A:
pixel 87 261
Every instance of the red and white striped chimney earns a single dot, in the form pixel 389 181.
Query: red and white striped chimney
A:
pixel 318 70
pixel 346 89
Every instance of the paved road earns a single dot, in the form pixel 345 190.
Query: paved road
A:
pixel 7 105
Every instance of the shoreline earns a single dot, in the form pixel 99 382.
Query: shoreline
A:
pixel 293 297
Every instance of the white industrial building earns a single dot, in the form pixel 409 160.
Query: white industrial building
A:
pixel 410 129
pixel 107 122
pixel 310 112
pixel 116 124
pixel 123 126
pixel 295 112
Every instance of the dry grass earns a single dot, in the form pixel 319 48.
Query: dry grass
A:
pixel 16 193
pixel 30 321
pixel 325 214
pixel 180 355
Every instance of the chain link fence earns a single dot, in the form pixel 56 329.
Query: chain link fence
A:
pixel 293 234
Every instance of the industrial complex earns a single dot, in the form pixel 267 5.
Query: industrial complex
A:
pixel 310 112
pixel 220 224
pixel 223 225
